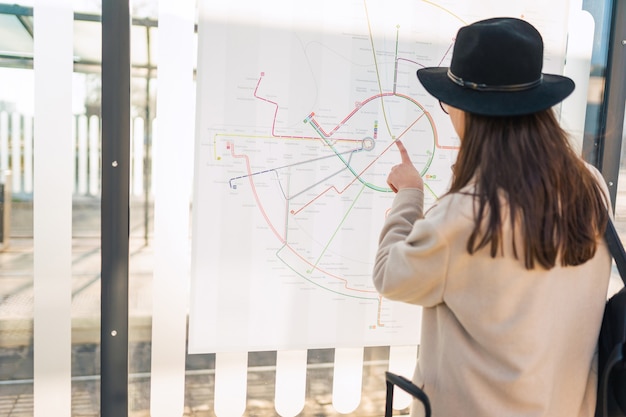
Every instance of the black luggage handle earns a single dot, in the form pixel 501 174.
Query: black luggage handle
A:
pixel 407 386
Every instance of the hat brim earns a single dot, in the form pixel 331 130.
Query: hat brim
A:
pixel 552 90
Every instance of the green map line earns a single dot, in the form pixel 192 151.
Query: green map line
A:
pixel 312 281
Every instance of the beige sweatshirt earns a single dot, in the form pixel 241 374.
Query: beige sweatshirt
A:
pixel 497 339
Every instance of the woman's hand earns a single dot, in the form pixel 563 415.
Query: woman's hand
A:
pixel 404 175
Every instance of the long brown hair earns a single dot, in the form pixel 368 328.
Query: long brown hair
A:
pixel 528 160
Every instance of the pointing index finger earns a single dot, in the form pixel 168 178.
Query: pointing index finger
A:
pixel 404 154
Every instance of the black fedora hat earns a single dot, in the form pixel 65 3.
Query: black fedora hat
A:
pixel 496 71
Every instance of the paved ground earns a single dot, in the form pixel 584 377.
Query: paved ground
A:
pixel 16 353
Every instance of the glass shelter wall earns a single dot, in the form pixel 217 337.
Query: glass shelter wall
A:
pixel 163 377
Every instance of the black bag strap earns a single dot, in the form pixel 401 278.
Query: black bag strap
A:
pixel 407 386
pixel 617 249
pixel 616 355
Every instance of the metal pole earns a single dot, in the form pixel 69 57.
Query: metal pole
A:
pixel 115 207
pixel 147 158
pixel 5 211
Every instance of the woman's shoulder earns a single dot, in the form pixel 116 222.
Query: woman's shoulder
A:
pixel 595 171
pixel 599 177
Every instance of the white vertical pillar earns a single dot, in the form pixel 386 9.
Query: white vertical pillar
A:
pixel 94 156
pixel 173 162
pixel 4 141
pixel 16 151
pixel 81 141
pixel 347 379
pixel 74 154
pixel 231 379
pixel 290 391
pixel 137 156
pixel 52 203
pixel 155 150
pixel 28 154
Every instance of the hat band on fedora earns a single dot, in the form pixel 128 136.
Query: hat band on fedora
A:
pixel 485 87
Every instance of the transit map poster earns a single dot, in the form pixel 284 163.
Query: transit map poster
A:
pixel 299 105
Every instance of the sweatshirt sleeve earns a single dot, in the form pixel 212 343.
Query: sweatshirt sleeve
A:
pixel 412 257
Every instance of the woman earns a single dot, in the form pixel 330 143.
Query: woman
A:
pixel 510 265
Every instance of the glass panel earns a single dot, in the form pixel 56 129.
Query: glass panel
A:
pixel 14 38
pixel 16 258
pixel 87 42
pixel 82 6
pixel 16 251
pixel 16 255
pixel 601 12
pixel 139 43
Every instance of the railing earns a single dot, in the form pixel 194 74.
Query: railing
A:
pixel 16 155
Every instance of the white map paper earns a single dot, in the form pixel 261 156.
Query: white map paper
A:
pixel 299 105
